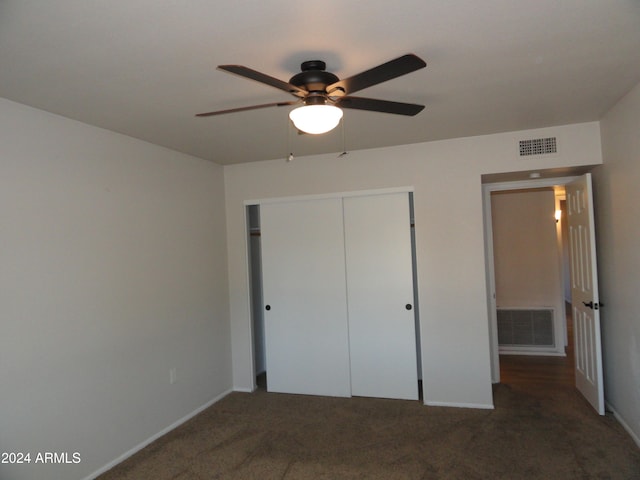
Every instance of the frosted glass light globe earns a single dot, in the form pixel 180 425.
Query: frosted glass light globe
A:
pixel 316 119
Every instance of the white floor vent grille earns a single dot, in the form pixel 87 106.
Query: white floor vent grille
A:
pixel 525 327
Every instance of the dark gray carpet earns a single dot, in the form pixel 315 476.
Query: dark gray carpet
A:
pixel 534 433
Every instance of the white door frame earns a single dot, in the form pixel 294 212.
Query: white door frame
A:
pixel 487 188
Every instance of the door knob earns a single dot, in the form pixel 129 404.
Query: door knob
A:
pixel 593 305
pixel 268 307
pixel 408 306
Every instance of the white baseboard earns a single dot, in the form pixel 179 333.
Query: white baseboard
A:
pixel 244 390
pixel 530 352
pixel 153 438
pixel 624 424
pixel 481 406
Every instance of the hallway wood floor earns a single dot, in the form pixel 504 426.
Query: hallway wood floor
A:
pixel 532 370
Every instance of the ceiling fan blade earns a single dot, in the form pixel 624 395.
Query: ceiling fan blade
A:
pixel 384 106
pixel 243 109
pixel 263 78
pixel 387 71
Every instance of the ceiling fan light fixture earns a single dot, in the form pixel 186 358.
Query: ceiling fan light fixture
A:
pixel 316 119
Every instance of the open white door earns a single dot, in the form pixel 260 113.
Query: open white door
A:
pixel 585 303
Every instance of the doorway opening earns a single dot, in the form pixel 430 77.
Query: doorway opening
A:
pixel 527 277
pixel 255 289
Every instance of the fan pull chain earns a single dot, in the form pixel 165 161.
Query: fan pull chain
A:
pixel 290 156
pixel 344 141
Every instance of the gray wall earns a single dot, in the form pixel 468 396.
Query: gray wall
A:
pixel 525 249
pixel 112 272
pixel 617 197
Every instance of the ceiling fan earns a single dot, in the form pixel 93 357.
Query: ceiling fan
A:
pixel 322 94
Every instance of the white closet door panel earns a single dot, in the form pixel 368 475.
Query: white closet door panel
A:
pixel 307 347
pixel 380 287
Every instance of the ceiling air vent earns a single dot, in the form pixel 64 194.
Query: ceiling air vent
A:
pixel 538 146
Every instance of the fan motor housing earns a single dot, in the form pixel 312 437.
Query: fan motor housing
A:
pixel 313 76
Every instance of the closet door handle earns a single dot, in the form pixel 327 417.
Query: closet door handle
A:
pixel 408 306
pixel 268 307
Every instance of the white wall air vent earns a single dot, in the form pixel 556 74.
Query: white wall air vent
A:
pixel 528 327
pixel 538 146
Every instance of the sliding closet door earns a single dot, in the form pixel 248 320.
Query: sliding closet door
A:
pixel 307 347
pixel 380 290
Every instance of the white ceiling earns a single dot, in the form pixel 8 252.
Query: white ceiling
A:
pixel 145 67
